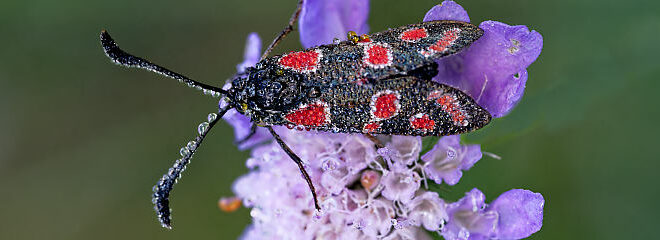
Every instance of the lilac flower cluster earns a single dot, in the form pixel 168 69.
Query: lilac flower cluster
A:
pixel 369 193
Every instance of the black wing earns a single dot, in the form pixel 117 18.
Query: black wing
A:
pixel 399 51
pixel 398 106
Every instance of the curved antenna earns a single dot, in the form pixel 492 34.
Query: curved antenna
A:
pixel 166 183
pixel 123 58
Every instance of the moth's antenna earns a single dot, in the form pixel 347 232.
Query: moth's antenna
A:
pixel 125 59
pixel 166 183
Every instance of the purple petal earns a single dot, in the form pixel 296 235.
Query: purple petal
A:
pixel 408 233
pixel 428 210
pixel 492 69
pixel 521 213
pixel 242 126
pixel 357 151
pixel 334 181
pixel 374 220
pixel 468 220
pixel 323 20
pixel 446 161
pixel 447 10
pixel 400 184
pixel 252 52
pixel 406 148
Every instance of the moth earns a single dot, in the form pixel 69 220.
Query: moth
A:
pixel 370 84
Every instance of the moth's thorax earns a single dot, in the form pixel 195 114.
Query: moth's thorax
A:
pixel 266 91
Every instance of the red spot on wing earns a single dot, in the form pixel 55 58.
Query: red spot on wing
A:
pixel 441 45
pixel 422 122
pixel 450 104
pixel 301 61
pixel 377 55
pixel 371 127
pixel 413 35
pixel 313 115
pixel 385 104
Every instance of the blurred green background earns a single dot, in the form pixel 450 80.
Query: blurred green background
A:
pixel 82 140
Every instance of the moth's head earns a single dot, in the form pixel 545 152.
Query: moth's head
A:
pixel 265 90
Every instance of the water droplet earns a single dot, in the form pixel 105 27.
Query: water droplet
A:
pixel 201 129
pixel 318 214
pixel 212 117
pixel 192 145
pixel 215 94
pixel 184 152
pixel 359 224
pixel 406 179
pixel 329 164
pixel 451 153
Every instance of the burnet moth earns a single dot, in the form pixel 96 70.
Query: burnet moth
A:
pixel 369 84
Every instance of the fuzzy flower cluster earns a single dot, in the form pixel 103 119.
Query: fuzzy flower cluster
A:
pixel 370 193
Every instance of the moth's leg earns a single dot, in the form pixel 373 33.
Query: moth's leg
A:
pixel 253 130
pixel 299 162
pixel 286 30
pixel 375 140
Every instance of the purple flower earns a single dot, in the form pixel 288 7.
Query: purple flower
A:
pixel 323 20
pixel 447 10
pixel 515 214
pixel 375 219
pixel 400 184
pixel 406 149
pixel 448 159
pixel 428 210
pixel 521 213
pixel 357 151
pixel 493 69
pixel 335 180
